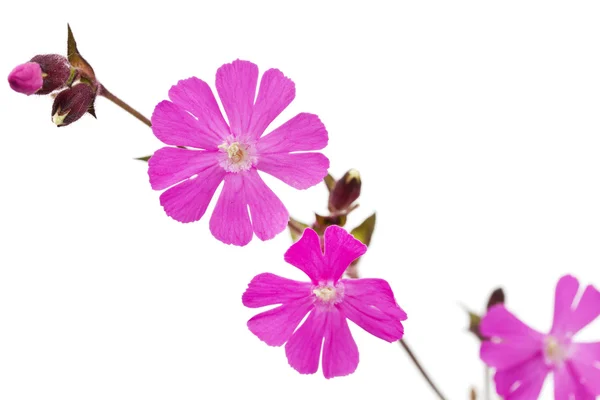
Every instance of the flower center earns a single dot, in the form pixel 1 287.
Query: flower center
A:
pixel 555 352
pixel 236 156
pixel 328 293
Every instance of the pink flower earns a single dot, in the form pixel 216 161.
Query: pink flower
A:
pixel 524 357
pixel 234 152
pixel 328 301
pixel 26 78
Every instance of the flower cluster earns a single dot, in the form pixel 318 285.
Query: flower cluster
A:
pixel 72 80
pixel 206 148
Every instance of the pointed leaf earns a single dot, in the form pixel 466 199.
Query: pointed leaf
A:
pixel 364 231
pixel 296 229
pixel 76 60
pixel 145 158
pixel 329 182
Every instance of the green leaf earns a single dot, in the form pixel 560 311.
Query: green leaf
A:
pixel 296 229
pixel 329 182
pixel 145 158
pixel 474 321
pixel 324 222
pixel 76 60
pixel 364 231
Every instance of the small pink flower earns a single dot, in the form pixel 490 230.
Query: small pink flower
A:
pixel 328 301
pixel 234 152
pixel 26 78
pixel 524 357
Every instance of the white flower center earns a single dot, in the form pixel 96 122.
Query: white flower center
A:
pixel 555 352
pixel 328 293
pixel 236 156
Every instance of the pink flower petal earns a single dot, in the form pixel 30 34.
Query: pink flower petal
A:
pixel 236 85
pixel 566 290
pixel 275 93
pixel 269 215
pixel 173 125
pixel 304 132
pixel 567 386
pixel 587 310
pixel 340 354
pixel 276 326
pixel 570 318
pixel 306 255
pixel 268 289
pixel 187 201
pixel 304 347
pixel 370 304
pixel 341 248
pixel 512 342
pixel 585 359
pixel 299 170
pixel 195 96
pixel 522 382
pixel 230 222
pixel 171 165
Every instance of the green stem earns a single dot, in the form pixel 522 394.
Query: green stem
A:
pixel 421 369
pixel 104 92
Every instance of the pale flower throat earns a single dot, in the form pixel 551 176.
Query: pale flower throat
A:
pixel 555 352
pixel 328 293
pixel 236 156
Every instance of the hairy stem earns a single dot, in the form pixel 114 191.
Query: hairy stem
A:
pixel 421 369
pixel 104 92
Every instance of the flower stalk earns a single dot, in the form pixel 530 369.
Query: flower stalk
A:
pixel 105 93
pixel 421 369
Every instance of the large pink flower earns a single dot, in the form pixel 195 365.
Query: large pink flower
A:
pixel 234 152
pixel 328 301
pixel 524 357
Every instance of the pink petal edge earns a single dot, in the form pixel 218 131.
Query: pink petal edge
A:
pixel 299 170
pixel 269 215
pixel 275 93
pixel 230 222
pixel 236 85
pixel 267 289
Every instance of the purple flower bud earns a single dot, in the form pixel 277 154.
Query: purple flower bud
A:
pixel 56 72
pixel 345 191
pixel 26 78
pixel 70 104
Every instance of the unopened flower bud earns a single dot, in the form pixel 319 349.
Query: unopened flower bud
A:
pixel 345 191
pixel 56 72
pixel 70 104
pixel 26 78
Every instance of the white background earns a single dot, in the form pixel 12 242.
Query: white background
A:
pixel 475 126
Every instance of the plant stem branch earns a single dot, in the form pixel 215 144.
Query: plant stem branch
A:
pixel 487 383
pixel 104 92
pixel 421 369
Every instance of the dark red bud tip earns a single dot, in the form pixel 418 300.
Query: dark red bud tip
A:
pixel 26 78
pixel 56 72
pixel 70 104
pixel 345 191
pixel 497 297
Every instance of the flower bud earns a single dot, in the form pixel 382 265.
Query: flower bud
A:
pixel 70 104
pixel 345 191
pixel 26 78
pixel 56 72
pixel 497 297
